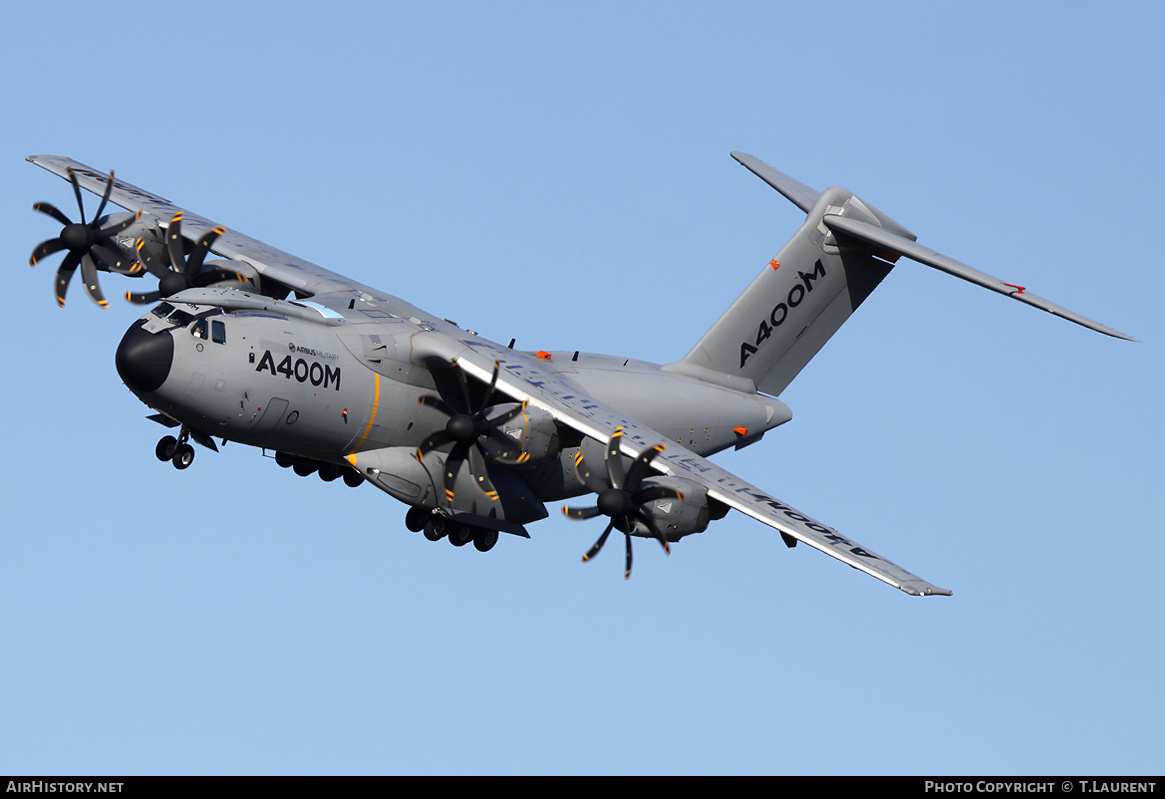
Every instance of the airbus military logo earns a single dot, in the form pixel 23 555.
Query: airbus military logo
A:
pixel 302 370
pixel 780 312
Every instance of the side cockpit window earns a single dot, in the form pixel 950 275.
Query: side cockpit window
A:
pixel 181 318
pixel 199 329
pixel 218 332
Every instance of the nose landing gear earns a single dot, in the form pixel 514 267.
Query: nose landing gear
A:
pixel 176 450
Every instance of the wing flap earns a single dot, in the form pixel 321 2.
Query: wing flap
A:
pixel 523 378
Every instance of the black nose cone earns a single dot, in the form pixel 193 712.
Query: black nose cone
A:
pixel 143 359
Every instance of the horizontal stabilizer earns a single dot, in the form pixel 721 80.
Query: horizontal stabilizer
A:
pixel 880 237
pixel 794 190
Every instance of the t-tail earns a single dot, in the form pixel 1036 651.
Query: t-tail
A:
pixel 803 295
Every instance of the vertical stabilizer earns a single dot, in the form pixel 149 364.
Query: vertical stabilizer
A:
pixel 817 280
pixel 800 298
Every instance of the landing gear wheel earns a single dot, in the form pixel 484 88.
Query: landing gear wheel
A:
pixel 183 456
pixel 330 471
pixel 484 540
pixel 353 478
pixel 166 448
pixel 460 534
pixel 415 519
pixel 435 528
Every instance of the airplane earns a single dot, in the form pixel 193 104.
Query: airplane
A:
pixel 347 382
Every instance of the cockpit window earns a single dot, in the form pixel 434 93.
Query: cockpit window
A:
pixel 218 332
pixel 181 318
pixel 199 329
pixel 163 310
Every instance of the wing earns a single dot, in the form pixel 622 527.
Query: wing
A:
pixel 303 277
pixel 522 377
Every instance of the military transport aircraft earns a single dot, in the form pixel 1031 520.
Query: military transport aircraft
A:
pixel 343 380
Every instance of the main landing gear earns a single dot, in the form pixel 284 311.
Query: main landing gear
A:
pixel 436 526
pixel 305 467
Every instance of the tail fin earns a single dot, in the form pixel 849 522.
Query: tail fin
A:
pixel 816 281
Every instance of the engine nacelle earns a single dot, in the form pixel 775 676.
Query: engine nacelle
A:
pixel 676 518
pixel 419 483
pixel 533 430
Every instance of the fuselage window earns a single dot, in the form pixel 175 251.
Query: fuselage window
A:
pixel 218 332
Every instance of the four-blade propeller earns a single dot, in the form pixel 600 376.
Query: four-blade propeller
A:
pixel 476 437
pixel 87 244
pixel 620 496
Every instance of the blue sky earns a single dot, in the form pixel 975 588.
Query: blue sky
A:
pixel 562 177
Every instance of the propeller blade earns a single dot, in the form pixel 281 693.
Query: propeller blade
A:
pixel 153 265
pixel 589 478
pixel 464 386
pixel 489 392
pixel 452 467
pixel 437 404
pixel 639 468
pixel 580 513
pixel 143 299
pixel 652 493
pixel 647 521
pixel 89 276
pixel 477 468
pixel 201 248
pixel 508 416
pixel 45 249
pixel 118 227
pixel 218 275
pixel 77 193
pixel 594 550
pixel 440 369
pixel 65 274
pixel 104 197
pixel 106 258
pixel 501 448
pixel 614 459
pixel 51 210
pixel 432 442
pixel 174 243
pixel 627 569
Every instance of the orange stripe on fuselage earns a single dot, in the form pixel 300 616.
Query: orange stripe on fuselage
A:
pixel 372 418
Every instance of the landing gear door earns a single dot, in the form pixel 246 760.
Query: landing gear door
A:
pixel 267 418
